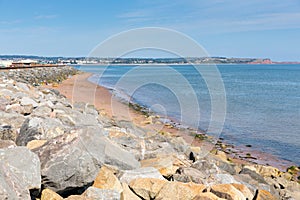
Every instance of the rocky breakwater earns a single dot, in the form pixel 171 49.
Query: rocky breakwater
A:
pixel 52 149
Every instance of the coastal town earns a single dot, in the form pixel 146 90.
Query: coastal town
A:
pixel 11 61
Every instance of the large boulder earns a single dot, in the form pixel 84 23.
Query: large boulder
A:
pixel 19 172
pixel 73 160
pixel 39 129
pixel 10 124
pixel 106 179
pixel 227 191
pixel 149 188
pixel 147 172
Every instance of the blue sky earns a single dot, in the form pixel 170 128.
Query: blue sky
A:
pixel 232 28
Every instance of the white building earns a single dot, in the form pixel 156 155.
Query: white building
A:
pixel 5 63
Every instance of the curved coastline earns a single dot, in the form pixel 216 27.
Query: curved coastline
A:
pixel 140 114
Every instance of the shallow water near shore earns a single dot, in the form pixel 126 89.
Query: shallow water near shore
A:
pixel 263 101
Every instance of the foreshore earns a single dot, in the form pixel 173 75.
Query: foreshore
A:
pixel 90 145
pixel 79 89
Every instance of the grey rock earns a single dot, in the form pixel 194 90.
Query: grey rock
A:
pixel 25 101
pixel 17 108
pixel 145 172
pixel 39 129
pixel 7 144
pixel 14 121
pixel 100 194
pixel 6 133
pixel 225 179
pixel 253 175
pixel 24 164
pixel 42 111
pixel 22 86
pixel 71 117
pixel 3 103
pixel 74 159
pixel 189 174
pixel 154 148
pixel 10 185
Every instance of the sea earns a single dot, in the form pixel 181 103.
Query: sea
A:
pixel 259 104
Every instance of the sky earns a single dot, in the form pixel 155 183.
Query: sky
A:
pixel 231 28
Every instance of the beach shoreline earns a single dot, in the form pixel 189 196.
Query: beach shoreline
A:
pixel 79 89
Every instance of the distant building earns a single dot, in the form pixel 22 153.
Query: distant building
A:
pixel 24 63
pixel 5 63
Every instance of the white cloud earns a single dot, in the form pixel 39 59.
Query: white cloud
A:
pixel 45 16
pixel 17 21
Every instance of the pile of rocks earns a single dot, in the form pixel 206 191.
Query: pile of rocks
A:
pixel 52 149
pixel 37 76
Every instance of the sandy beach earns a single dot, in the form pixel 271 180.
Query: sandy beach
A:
pixel 78 89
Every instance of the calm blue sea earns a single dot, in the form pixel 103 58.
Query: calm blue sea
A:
pixel 262 101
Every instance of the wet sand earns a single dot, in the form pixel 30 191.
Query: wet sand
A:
pixel 79 89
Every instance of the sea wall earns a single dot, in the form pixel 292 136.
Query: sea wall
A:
pixel 39 75
pixel 52 149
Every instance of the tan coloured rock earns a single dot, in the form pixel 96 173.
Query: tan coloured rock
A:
pixel 244 190
pixel 76 197
pixel 127 194
pixel 222 155
pixel 179 191
pixel 207 196
pixel 267 171
pixel 147 188
pixel 48 194
pixel 107 180
pixel 227 191
pixel 264 195
pixel 195 150
pixel 33 144
pixel 163 163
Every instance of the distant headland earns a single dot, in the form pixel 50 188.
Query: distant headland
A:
pixel 12 60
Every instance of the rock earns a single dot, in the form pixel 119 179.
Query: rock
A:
pixel 180 191
pixel 225 179
pixel 41 111
pixel 3 103
pixel 25 101
pixel 263 195
pixel 154 148
pixel 267 171
pixel 10 185
pixel 244 190
pixel 253 175
pixel 11 122
pixel 25 165
pixel 146 172
pixel 96 193
pixel 107 180
pixel 7 144
pixel 76 197
pixel 127 194
pixel 189 174
pixel 39 129
pixel 179 144
pixel 50 195
pixel 76 118
pixel 17 108
pixel 163 163
pixel 6 133
pixel 22 86
pixel 207 196
pixel 147 188
pixel 222 155
pixel 227 191
pixel 33 144
pixel 73 159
